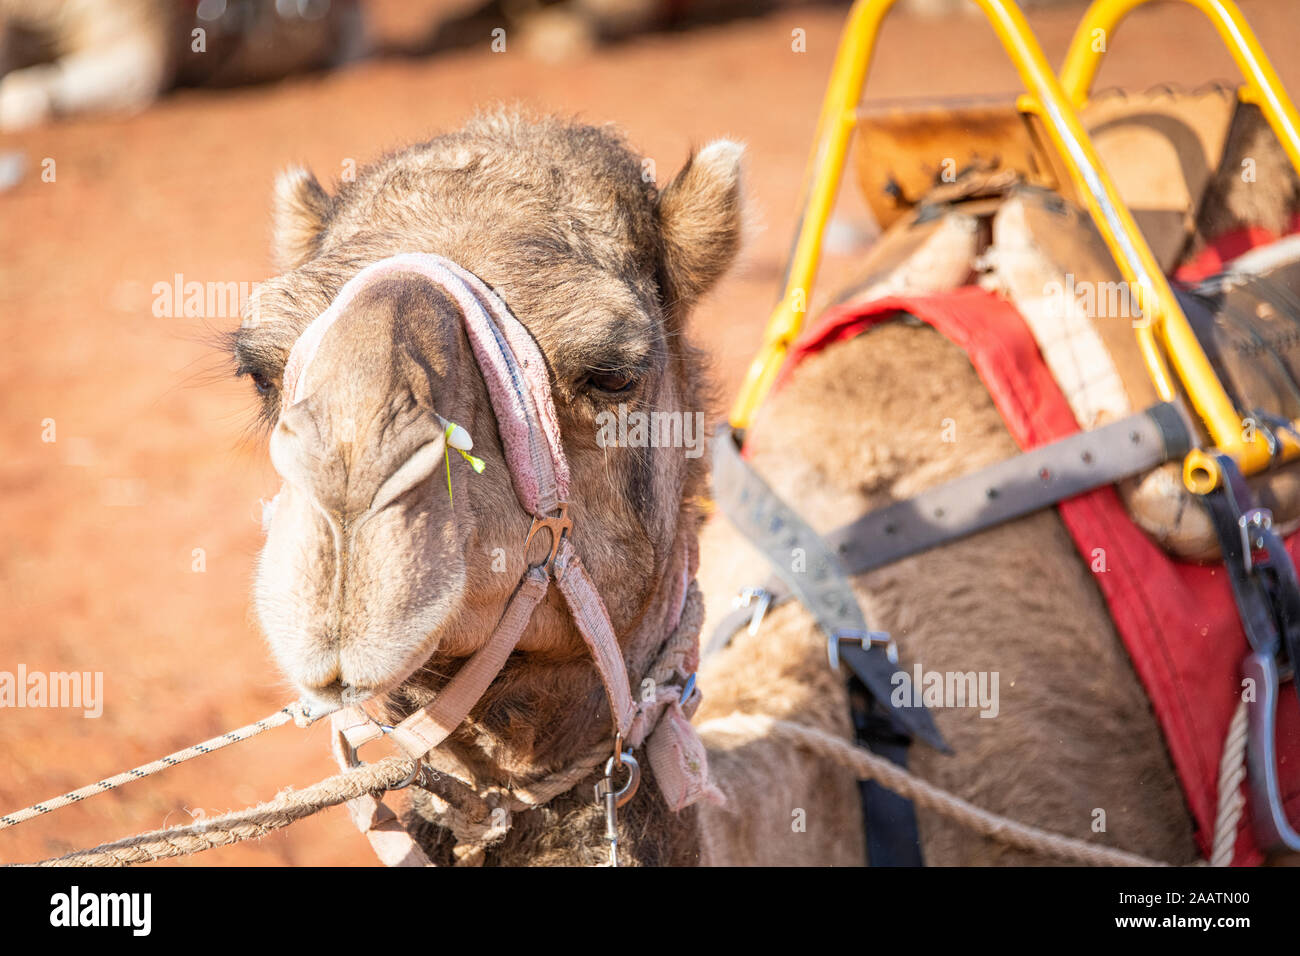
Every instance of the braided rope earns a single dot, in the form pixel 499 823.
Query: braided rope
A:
pixel 1232 802
pixel 293 712
pixel 474 835
pixel 869 766
pixel 287 807
pixel 474 831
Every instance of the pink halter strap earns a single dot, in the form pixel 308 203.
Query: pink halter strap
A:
pixel 519 388
pixel 512 366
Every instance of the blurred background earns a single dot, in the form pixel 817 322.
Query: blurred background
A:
pixel 138 143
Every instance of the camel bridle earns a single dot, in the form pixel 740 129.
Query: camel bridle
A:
pixel 519 389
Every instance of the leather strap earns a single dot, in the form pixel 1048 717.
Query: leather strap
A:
pixel 383 830
pixel 1002 492
pixel 519 388
pixel 888 820
pixel 593 623
pixel 431 725
pixel 777 530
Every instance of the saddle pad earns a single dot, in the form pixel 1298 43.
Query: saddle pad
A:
pixel 1177 620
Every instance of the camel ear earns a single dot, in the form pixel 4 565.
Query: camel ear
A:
pixel 299 209
pixel 700 216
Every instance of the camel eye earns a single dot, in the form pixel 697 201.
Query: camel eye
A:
pixel 260 382
pixel 612 382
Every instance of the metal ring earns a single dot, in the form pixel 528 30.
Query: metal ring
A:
pixel 416 771
pixel 350 752
pixel 633 782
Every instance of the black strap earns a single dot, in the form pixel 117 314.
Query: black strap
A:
pixel 1263 578
pixel 888 820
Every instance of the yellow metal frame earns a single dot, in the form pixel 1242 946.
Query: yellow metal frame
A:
pixel 1163 320
pixel 1263 88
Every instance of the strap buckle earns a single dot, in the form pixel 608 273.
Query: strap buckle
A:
pixel 864 639
pixel 558 524
pixel 746 597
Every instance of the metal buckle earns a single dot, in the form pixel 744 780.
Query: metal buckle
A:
pixel 1256 518
pixel 1272 427
pixel 559 525
pixel 746 597
pixel 866 639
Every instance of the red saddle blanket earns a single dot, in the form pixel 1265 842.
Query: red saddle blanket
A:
pixel 1178 620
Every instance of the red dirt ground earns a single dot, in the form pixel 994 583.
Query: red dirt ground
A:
pixel 100 526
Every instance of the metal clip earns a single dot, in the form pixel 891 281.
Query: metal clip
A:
pixel 1272 427
pixel 865 639
pixel 746 597
pixel 558 524
pixel 613 799
pixel 1260 519
pixel 1272 828
pixel 354 760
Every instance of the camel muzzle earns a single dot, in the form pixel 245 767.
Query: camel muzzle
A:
pixel 518 386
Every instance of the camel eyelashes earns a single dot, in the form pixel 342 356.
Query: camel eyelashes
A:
pixel 612 382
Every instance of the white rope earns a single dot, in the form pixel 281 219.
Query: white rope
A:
pixel 868 766
pixel 1232 801
pixel 298 712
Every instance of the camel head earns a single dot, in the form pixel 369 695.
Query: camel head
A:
pixel 372 565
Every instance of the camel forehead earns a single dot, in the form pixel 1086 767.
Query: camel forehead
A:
pixel 557 219
pixel 510 188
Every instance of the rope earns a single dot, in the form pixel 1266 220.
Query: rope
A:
pixel 1232 802
pixel 474 834
pixel 868 766
pixel 667 668
pixel 474 828
pixel 255 822
pixel 295 712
